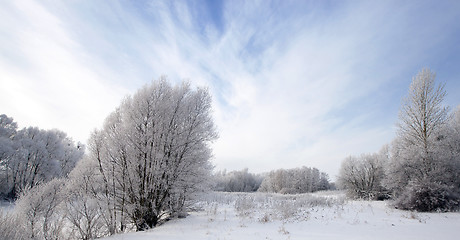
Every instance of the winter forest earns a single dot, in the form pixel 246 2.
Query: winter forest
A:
pixel 151 164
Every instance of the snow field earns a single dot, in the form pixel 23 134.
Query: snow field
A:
pixel 306 216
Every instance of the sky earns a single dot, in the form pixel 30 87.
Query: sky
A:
pixel 294 83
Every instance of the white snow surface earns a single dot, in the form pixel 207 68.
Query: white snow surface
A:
pixel 309 216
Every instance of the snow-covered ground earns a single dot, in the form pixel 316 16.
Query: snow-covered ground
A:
pixel 309 216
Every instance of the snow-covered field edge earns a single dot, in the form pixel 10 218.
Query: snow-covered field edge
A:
pixel 322 215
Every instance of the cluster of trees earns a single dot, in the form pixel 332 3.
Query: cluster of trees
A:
pixel 297 180
pixel 420 170
pixel 32 156
pixel 285 181
pixel 237 181
pixel 145 165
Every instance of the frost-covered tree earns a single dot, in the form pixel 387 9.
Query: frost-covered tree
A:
pixel 41 156
pixel 8 126
pixel 420 175
pixel 422 116
pixel 7 132
pixel 32 156
pixel 152 155
pixel 362 176
pixel 448 146
pixel 84 204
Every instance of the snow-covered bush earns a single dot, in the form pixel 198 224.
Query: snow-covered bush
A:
pixel 429 196
pixel 39 211
pixel 362 176
pixel 83 205
pixel 245 205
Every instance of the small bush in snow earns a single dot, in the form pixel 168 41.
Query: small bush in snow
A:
pixel 245 205
pixel 362 176
pixel 428 197
pixel 38 210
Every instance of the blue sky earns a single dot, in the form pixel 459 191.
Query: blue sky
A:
pixel 293 82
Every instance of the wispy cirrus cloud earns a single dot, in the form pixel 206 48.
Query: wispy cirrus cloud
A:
pixel 294 83
pixel 44 74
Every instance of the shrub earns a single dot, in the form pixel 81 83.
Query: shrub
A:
pixel 429 196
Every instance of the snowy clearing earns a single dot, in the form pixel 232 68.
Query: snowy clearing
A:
pixel 325 215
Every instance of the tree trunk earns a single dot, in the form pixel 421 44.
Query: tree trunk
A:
pixel 145 218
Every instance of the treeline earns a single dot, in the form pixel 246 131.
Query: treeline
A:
pixel 420 169
pixel 237 181
pixel 296 180
pixel 285 181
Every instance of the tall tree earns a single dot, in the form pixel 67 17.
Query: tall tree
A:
pixel 417 172
pixel 153 151
pixel 422 115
